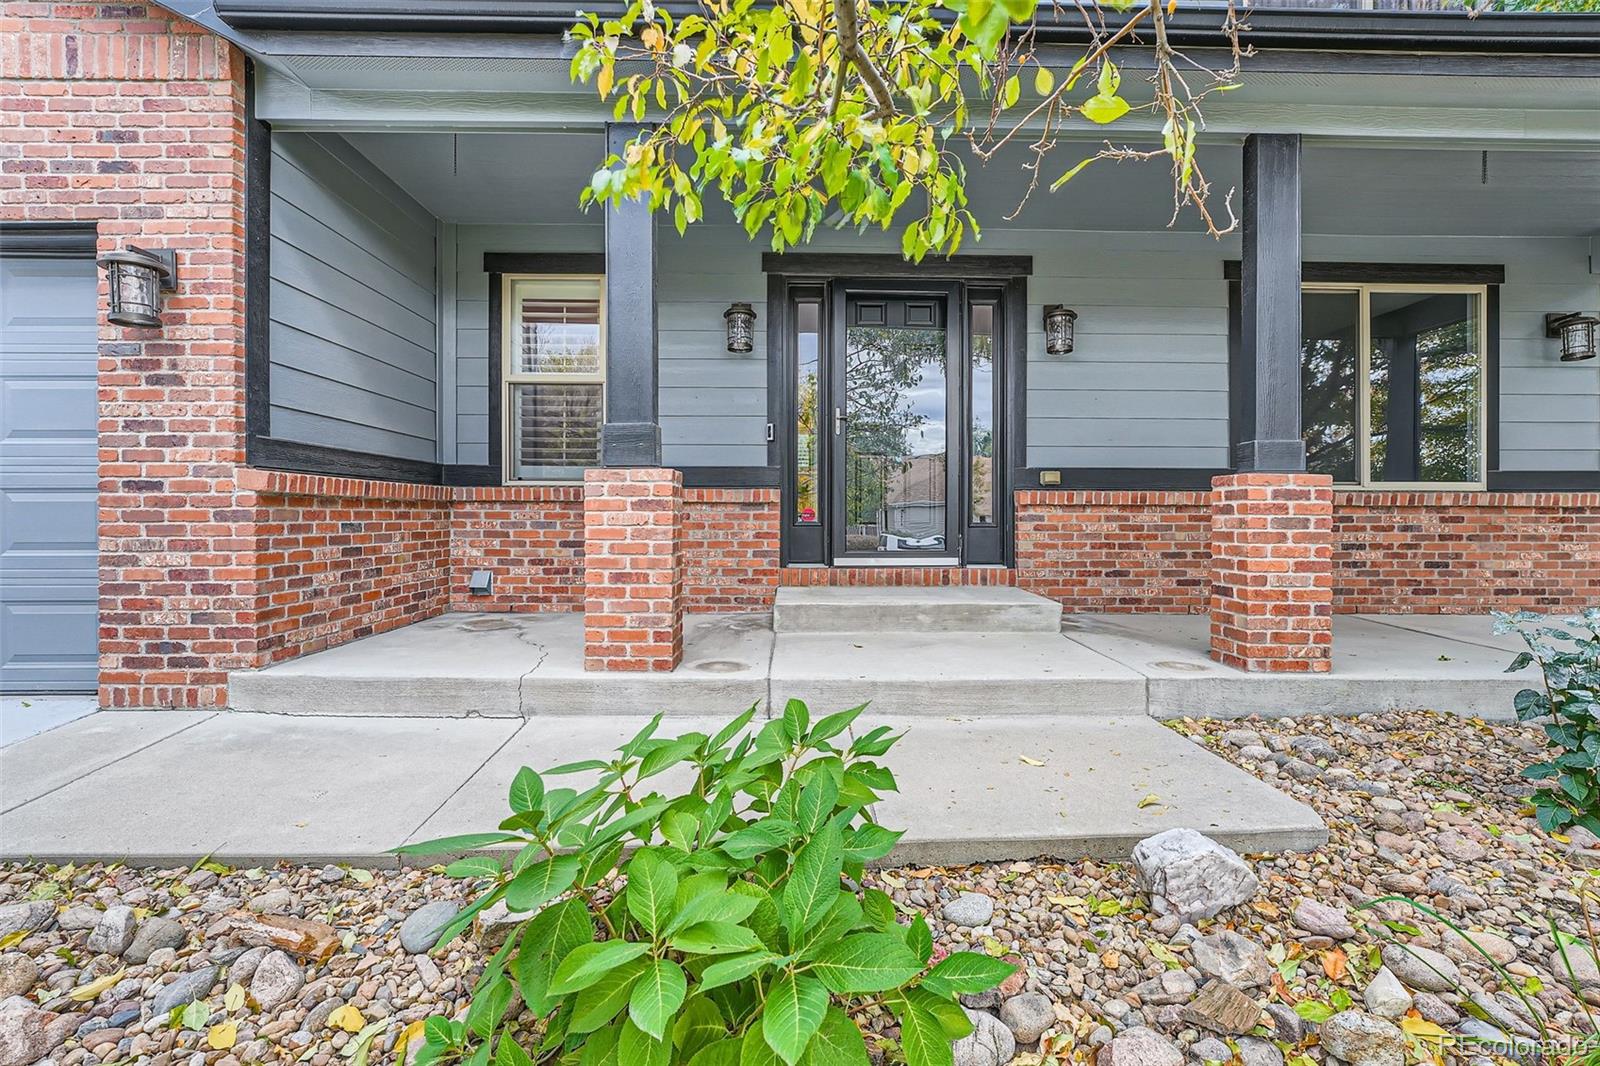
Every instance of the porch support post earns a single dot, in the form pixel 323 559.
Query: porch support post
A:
pixel 631 435
pixel 1266 376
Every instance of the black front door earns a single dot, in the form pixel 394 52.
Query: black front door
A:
pixel 892 438
pixel 897 451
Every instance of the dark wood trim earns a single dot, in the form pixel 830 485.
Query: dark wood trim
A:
pixel 544 263
pixel 470 474
pixel 778 326
pixel 630 435
pixel 257 270
pixel 48 240
pixel 861 265
pixel 1395 273
pixel 1118 479
pixel 1544 481
pixel 731 477
pixel 1014 337
pixel 497 455
pixel 1491 400
pixel 274 454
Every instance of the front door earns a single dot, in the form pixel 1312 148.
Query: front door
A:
pixel 896 446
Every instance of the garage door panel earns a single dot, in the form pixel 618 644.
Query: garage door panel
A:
pixel 49 581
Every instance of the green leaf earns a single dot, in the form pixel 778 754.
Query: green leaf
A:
pixel 922 1036
pixel 635 1047
pixel 867 962
pixel 652 890
pixel 793 1012
pixel 602 1001
pixel 814 881
pixel 601 1048
pixel 919 938
pixel 669 755
pixel 832 725
pixel 488 1008
pixel 714 938
pixel 527 791
pixel 1312 1011
pixel 870 842
pixel 736 968
pixel 542 882
pixel 753 1049
pixel 796 720
pixel 699 1024
pixel 548 938
pixel 966 973
pixel 474 866
pixel 816 803
pixel 1103 109
pixel 759 837
pixel 838 1042
pixel 464 842
pixel 657 995
pixel 1044 82
pixel 588 963
pixel 722 1053
pixel 511 1053
pixel 718 906
pixel 878 908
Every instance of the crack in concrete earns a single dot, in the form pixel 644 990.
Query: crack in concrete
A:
pixel 465 781
pixel 111 762
pixel 522 682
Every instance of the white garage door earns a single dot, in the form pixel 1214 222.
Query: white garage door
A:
pixel 48 547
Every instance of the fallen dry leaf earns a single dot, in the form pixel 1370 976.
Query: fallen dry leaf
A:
pixel 222 1036
pixel 348 1018
pixel 1335 963
pixel 1029 762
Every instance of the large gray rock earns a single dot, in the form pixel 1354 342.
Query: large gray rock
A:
pixel 78 917
pixel 26 1036
pixel 244 967
pixel 1254 1051
pixel 1421 968
pixel 153 935
pixel 195 984
pixel 1385 995
pixel 1189 874
pixel 27 917
pixel 1236 959
pixel 1576 964
pixel 18 974
pixel 989 1044
pixel 1140 1046
pixel 970 909
pixel 423 926
pixel 1322 919
pixel 1361 1039
pixel 1172 986
pixel 276 981
pixel 113 934
pixel 1028 1016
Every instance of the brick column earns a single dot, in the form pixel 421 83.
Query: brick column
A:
pixel 632 568
pixel 1272 572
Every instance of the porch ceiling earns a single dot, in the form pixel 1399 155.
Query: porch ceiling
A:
pixel 506 178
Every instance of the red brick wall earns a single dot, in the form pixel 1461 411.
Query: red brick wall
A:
pixel 1123 552
pixel 529 538
pixel 1271 562
pixel 632 569
pixel 730 549
pixel 1465 552
pixel 126 116
pixel 338 559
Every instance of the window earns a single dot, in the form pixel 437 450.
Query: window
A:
pixel 554 375
pixel 1393 384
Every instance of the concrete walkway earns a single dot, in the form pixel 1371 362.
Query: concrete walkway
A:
pixel 1094 665
pixel 166 787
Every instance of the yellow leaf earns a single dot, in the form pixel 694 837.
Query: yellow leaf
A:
pixel 1029 762
pixel 222 1036
pixel 85 993
pixel 1334 963
pixel 1423 1028
pixel 13 939
pixel 233 998
pixel 408 1034
pixel 1561 838
pixel 1062 901
pixel 1149 801
pixel 1266 907
pixel 348 1018
pixel 603 82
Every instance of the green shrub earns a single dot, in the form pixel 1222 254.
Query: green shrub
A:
pixel 727 937
pixel 1570 701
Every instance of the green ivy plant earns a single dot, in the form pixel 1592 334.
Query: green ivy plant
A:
pixel 718 925
pixel 1567 651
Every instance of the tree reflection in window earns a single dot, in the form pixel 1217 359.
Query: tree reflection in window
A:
pixel 895 454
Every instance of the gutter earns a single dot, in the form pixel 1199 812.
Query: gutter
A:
pixel 1325 29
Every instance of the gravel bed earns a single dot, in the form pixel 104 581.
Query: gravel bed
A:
pixel 93 958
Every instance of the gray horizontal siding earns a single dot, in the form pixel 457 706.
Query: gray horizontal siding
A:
pixel 353 333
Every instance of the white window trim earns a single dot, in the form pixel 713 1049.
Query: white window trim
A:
pixel 1364 291
pixel 510 379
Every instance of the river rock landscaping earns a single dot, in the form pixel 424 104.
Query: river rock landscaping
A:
pixel 1188 954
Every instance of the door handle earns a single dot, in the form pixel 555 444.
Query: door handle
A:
pixel 839 420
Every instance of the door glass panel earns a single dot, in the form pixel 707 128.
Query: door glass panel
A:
pixel 808 325
pixel 980 445
pixel 1330 367
pixel 1424 374
pixel 896 448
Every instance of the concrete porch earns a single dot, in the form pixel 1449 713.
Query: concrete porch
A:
pixel 911 652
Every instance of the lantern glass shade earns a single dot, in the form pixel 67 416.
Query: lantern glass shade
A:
pixel 740 320
pixel 1577 332
pixel 135 278
pixel 1059 324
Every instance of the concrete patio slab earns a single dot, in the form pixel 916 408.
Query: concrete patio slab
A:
pixel 1376 667
pixel 1466 628
pixel 505 665
pixel 872 609
pixel 27 716
pixel 250 789
pixel 41 764
pixel 952 673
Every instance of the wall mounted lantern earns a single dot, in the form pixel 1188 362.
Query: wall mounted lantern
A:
pixel 137 278
pixel 1577 333
pixel 1058 329
pixel 741 322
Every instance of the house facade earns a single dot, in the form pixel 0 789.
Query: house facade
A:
pixel 399 372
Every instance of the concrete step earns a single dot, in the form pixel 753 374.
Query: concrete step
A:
pixel 951 673
pixel 865 609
